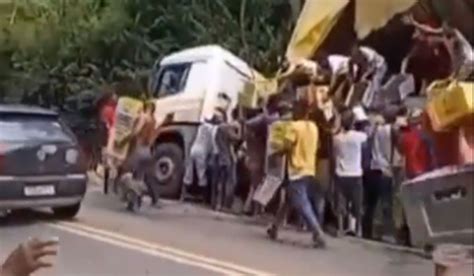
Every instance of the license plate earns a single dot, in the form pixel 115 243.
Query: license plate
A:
pixel 40 190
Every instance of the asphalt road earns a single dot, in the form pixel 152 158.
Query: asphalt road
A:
pixel 182 239
pixel 80 255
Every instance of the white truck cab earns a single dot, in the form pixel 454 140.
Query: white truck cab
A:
pixel 190 84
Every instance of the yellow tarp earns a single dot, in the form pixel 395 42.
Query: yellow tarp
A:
pixel 263 86
pixel 318 18
pixel 314 24
pixel 257 87
pixel 374 14
pixel 249 97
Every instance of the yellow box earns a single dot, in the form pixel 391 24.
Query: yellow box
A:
pixel 451 104
pixel 126 113
pixel 277 133
pixel 249 96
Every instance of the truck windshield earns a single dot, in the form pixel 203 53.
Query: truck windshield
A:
pixel 170 79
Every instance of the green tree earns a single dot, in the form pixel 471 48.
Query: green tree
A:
pixel 83 43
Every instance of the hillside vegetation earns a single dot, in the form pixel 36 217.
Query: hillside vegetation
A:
pixel 65 46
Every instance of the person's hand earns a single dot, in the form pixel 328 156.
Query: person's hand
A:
pixel 407 19
pixel 168 119
pixel 28 258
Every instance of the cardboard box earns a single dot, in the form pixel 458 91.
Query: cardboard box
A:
pixel 126 113
pixel 277 132
pixel 249 97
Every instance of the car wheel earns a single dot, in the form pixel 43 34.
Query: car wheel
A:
pixel 67 212
pixel 169 169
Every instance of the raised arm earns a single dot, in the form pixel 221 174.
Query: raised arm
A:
pixel 423 27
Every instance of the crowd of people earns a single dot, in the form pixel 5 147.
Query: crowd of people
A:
pixel 341 160
pixel 359 148
pixel 213 159
pixel 359 152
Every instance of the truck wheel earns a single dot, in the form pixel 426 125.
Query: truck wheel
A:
pixel 169 169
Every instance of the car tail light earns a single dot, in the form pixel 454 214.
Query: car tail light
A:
pixel 3 151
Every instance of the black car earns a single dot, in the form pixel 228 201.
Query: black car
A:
pixel 41 164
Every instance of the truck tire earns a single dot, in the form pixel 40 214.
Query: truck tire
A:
pixel 169 169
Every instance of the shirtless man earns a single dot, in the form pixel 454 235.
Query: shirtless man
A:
pixel 140 159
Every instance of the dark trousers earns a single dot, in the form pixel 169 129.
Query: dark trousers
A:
pixel 377 187
pixel 152 190
pixel 351 191
pixel 223 184
pixel 141 164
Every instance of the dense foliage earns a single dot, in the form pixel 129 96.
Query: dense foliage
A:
pixel 72 45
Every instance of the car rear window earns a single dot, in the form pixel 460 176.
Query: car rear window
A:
pixel 27 128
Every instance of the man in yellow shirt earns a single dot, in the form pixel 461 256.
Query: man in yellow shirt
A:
pixel 300 143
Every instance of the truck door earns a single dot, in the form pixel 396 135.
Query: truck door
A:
pixel 177 89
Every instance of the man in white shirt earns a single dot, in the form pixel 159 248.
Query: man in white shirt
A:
pixel 201 152
pixel 380 187
pixel 368 65
pixel 338 64
pixel 348 162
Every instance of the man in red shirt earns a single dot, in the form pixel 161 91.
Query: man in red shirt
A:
pixel 107 107
pixel 417 147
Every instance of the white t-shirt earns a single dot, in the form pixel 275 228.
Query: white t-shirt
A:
pixel 348 152
pixel 339 64
pixel 382 149
pixel 375 59
pixel 204 142
pixel 359 114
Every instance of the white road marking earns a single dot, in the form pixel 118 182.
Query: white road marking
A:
pixel 158 250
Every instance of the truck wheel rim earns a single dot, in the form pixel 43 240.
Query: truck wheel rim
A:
pixel 164 168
